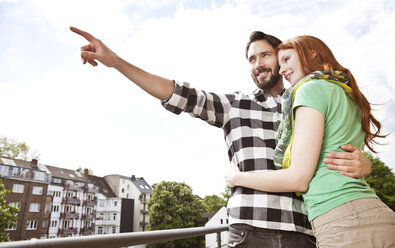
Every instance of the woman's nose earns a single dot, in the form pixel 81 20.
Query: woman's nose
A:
pixel 282 70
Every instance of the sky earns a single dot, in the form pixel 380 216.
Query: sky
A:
pixel 75 115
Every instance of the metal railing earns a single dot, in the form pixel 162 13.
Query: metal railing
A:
pixel 118 240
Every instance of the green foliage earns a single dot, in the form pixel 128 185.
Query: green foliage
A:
pixel 382 180
pixel 172 205
pixel 213 203
pixel 14 149
pixel 8 215
pixel 226 195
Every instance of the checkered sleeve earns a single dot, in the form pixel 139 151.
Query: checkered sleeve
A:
pixel 210 107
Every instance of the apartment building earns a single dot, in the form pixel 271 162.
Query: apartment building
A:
pixel 135 194
pixel 108 212
pixel 58 202
pixel 74 200
pixel 28 183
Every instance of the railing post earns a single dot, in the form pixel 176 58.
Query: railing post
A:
pixel 219 239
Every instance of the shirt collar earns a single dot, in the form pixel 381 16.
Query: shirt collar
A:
pixel 265 93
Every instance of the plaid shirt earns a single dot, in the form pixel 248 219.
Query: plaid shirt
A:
pixel 249 123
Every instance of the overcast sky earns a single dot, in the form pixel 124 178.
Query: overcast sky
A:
pixel 77 115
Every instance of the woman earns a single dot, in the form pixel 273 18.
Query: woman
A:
pixel 323 110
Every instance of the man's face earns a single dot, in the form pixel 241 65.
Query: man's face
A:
pixel 263 64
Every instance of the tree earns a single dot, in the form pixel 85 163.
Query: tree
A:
pixel 8 213
pixel 226 195
pixel 14 149
pixel 213 203
pixel 382 180
pixel 172 205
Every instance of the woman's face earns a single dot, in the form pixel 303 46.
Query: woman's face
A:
pixel 290 65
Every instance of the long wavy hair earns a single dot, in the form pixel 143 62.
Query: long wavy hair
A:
pixel 315 55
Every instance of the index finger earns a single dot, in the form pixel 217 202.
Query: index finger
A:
pixel 84 34
pixel 339 155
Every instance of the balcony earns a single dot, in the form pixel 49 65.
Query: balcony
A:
pixel 71 200
pixel 70 215
pixel 112 209
pixel 70 186
pixel 91 202
pixel 68 230
pixel 93 189
pixel 90 216
pixel 110 222
pixel 88 230
pixel 144 211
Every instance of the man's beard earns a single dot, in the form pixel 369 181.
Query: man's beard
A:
pixel 273 80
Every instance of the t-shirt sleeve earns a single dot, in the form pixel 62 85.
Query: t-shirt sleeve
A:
pixel 313 94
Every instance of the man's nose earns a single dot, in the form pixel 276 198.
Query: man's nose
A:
pixel 259 63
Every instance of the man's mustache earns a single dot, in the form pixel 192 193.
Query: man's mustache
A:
pixel 260 70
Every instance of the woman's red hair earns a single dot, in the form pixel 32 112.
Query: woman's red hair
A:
pixel 315 55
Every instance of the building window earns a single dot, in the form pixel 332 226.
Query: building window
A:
pixel 37 190
pixel 114 216
pixel 15 171
pixel 18 188
pixel 45 223
pixel 34 207
pixel 4 170
pixel 115 203
pixel 16 204
pixel 39 175
pixel 67 224
pixel 55 208
pixel 54 223
pixel 101 203
pixel 123 190
pixel 68 209
pixel 11 228
pixel 56 180
pixel 100 230
pixel 114 229
pixel 31 225
pixel 58 193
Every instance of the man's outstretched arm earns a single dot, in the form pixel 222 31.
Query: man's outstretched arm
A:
pixel 96 50
pixel 350 163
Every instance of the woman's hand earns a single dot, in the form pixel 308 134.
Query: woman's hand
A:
pixel 231 175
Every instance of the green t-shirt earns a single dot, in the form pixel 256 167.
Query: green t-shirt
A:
pixel 328 189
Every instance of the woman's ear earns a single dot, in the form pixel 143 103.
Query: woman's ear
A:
pixel 312 54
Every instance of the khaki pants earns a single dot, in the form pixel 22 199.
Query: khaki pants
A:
pixel 365 222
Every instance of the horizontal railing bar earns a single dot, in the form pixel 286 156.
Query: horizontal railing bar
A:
pixel 116 240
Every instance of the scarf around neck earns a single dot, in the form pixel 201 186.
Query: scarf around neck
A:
pixel 282 153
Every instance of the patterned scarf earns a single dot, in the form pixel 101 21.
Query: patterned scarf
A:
pixel 282 153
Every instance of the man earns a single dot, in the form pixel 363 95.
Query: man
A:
pixel 257 219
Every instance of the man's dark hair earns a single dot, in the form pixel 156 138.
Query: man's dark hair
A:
pixel 258 35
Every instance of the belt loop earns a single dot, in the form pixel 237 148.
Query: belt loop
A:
pixel 354 212
pixel 312 226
